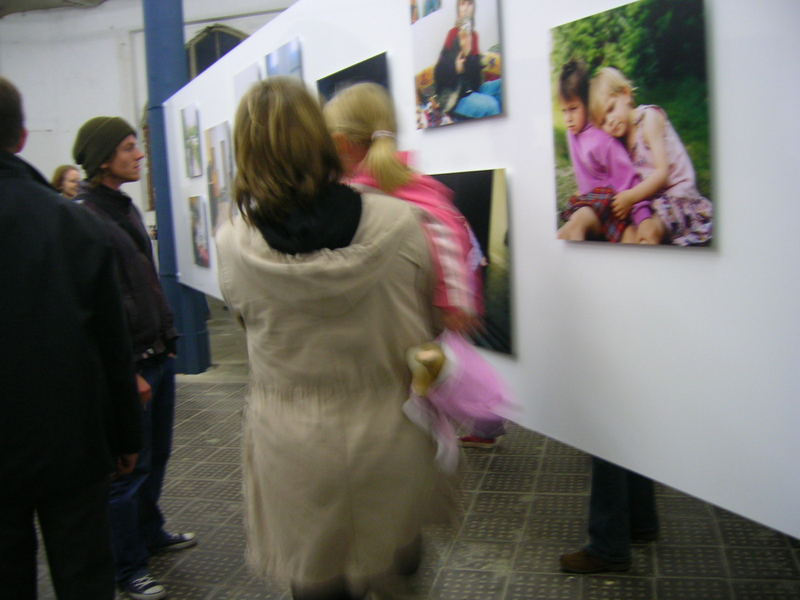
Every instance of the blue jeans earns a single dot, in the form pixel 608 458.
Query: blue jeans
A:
pixel 622 503
pixel 136 520
pixel 486 102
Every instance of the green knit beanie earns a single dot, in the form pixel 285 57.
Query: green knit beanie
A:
pixel 97 139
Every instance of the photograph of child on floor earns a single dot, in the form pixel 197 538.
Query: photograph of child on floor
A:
pixel 458 72
pixel 630 103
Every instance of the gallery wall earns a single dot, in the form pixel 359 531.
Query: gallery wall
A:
pixel 679 363
pixel 71 64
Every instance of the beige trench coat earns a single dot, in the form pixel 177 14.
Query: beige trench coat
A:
pixel 336 477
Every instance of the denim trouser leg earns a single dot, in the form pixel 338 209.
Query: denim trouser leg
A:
pixel 162 419
pixel 136 520
pixel 618 495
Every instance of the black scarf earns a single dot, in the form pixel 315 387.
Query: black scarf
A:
pixel 329 221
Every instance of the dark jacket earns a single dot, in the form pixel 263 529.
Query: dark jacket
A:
pixel 68 402
pixel 150 319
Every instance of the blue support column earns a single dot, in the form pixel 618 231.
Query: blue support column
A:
pixel 166 74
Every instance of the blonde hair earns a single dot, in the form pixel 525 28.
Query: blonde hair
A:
pixel 60 174
pixel 364 114
pixel 284 153
pixel 608 82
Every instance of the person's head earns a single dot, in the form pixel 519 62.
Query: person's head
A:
pixel 362 122
pixel 611 101
pixel 465 36
pixel 573 95
pixel 107 149
pixel 466 10
pixel 284 153
pixel 12 119
pixel 66 179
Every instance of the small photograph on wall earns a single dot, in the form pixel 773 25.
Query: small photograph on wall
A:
pixel 286 60
pixel 457 62
pixel 631 126
pixel 373 69
pixel 190 119
pixel 200 232
pixel 482 198
pixel 244 79
pixel 219 172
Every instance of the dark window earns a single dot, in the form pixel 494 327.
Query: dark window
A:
pixel 204 49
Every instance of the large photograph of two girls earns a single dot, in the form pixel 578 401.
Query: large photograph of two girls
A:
pixel 631 126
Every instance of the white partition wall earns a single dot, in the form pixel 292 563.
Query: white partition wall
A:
pixel 681 364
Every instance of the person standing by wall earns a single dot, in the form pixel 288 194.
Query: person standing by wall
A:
pixel 71 415
pixel 107 149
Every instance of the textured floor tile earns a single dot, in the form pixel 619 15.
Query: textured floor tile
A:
pixel 472 480
pixel 560 505
pixel 502 503
pixel 538 586
pixel 493 527
pixel 226 455
pixel 476 462
pixel 255 591
pixel 468 585
pixel 507 482
pixel 738 532
pixel 567 463
pixel 556 447
pixel 685 561
pixel 551 483
pixel 184 590
pixel 598 587
pixel 682 507
pixel 693 589
pixel 540 557
pixel 481 556
pixel 208 470
pixel 766 590
pixel 207 566
pixel 551 530
pixel 688 532
pixel 762 563
pixel 191 488
pixel 514 464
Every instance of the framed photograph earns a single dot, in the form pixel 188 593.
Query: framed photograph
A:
pixel 482 198
pixel 286 60
pixel 244 79
pixel 199 231
pixel 457 62
pixel 190 119
pixel 631 126
pixel 219 172
pixel 373 69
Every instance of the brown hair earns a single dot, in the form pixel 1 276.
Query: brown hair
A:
pixel 364 114
pixel 574 82
pixel 11 115
pixel 284 153
pixel 60 173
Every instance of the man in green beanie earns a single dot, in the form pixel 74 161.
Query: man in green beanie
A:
pixel 107 149
pixel 71 415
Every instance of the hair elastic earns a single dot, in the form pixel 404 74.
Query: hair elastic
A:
pixel 381 133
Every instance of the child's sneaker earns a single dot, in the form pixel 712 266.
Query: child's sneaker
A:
pixel 144 587
pixel 175 541
pixel 473 441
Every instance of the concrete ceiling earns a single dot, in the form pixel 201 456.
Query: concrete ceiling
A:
pixel 11 6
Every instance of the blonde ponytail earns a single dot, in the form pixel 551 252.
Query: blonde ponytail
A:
pixel 364 114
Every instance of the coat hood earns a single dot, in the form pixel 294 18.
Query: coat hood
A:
pixel 323 282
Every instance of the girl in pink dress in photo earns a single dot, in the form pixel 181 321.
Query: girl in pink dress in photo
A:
pixel 659 156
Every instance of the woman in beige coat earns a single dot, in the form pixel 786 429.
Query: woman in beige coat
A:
pixel 332 287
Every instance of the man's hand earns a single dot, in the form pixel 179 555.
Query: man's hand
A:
pixel 144 389
pixel 125 464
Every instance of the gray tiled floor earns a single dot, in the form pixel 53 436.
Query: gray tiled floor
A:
pixel 525 501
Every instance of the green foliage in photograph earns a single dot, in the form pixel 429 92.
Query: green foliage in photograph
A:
pixel 660 46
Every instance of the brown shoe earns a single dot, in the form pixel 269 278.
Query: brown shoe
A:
pixel 583 562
